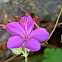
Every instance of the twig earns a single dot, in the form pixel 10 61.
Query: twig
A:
pixel 2 25
pixel 48 45
pixel 23 10
pixel 11 58
pixel 60 23
pixel 36 25
pixel 55 25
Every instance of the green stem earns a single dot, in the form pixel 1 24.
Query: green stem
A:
pixel 25 54
pixel 26 59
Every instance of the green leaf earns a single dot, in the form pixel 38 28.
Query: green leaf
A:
pixel 52 55
pixel 17 51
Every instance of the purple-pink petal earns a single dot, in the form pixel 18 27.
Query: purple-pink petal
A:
pixel 39 34
pixel 32 44
pixel 14 28
pixel 29 23
pixel 14 42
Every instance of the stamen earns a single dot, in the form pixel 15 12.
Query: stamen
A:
pixel 24 22
pixel 26 25
pixel 4 27
pixel 17 19
pixel 36 17
pixel 26 14
pixel 30 12
pixel 20 21
pixel 16 16
pixel 7 23
pixel 32 20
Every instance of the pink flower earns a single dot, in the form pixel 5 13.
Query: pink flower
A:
pixel 23 34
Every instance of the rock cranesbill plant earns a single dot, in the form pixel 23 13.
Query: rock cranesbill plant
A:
pixel 24 35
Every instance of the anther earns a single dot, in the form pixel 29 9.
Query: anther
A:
pixel 30 12
pixel 20 21
pixel 24 21
pixel 16 16
pixel 26 14
pixel 32 20
pixel 36 17
pixel 4 27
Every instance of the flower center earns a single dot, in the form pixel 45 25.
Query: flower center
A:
pixel 26 37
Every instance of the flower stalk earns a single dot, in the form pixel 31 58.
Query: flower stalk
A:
pixel 25 54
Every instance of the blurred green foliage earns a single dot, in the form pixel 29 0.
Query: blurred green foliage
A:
pixel 15 2
pixel 6 0
pixel 60 7
pixel 52 55
pixel 25 4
